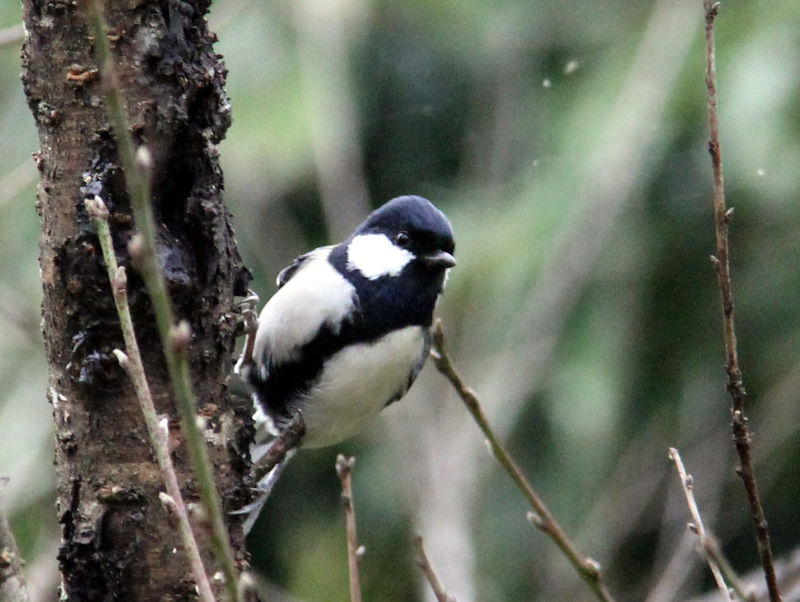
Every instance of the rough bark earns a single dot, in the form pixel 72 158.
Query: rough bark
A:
pixel 117 541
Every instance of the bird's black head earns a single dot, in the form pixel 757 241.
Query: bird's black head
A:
pixel 413 224
pixel 397 261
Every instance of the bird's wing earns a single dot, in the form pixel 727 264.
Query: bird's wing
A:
pixel 412 376
pixel 286 273
pixel 312 295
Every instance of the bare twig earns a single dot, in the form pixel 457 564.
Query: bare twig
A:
pixel 131 361
pixel 136 165
pixel 289 438
pixel 442 595
pixel 709 548
pixel 12 582
pixel 541 517
pixel 344 468
pixel 722 218
pixel 788 571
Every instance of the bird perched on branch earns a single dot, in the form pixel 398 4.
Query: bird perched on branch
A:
pixel 348 330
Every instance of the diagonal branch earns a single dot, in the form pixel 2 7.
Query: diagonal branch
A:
pixel 541 517
pixel 441 593
pixel 709 548
pixel 721 262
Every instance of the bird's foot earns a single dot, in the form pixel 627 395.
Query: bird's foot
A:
pixel 246 308
pixel 262 491
pixel 249 319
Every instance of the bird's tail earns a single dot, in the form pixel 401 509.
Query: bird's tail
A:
pixel 263 488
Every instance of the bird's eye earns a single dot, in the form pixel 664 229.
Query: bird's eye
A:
pixel 402 239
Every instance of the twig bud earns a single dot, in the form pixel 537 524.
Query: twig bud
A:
pixel 248 592
pixel 592 567
pixel 218 577
pixel 122 358
pixel 169 503
pixel 200 514
pixel 163 429
pixel 120 280
pixel 136 247
pixel 144 160
pixel 344 465
pixel 96 208
pixel 535 519
pixel 180 336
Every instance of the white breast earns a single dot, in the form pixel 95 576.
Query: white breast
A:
pixel 357 382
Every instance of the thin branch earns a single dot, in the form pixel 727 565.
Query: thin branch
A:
pixel 697 527
pixel 131 361
pixel 136 165
pixel 588 568
pixel 12 581
pixel 722 218
pixel 441 593
pixel 721 569
pixel 288 439
pixel 344 468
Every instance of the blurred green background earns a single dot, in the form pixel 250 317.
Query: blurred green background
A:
pixel 567 143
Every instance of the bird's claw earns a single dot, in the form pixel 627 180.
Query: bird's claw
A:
pixel 248 508
pixel 247 310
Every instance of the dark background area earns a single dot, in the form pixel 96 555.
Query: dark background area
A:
pixel 567 143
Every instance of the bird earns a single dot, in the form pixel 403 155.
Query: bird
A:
pixel 349 328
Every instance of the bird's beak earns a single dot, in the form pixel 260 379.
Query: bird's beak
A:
pixel 441 259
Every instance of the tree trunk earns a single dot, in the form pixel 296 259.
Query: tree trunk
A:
pixel 117 540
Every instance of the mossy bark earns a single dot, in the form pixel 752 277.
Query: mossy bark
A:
pixel 117 540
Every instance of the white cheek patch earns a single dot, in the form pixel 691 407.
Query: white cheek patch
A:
pixel 374 256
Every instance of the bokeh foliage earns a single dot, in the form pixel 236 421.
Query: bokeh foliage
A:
pixel 567 143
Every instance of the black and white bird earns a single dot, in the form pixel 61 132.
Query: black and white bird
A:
pixel 348 330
